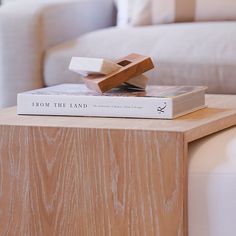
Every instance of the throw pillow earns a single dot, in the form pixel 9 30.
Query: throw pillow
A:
pixel 134 12
pixel 168 11
pixel 146 12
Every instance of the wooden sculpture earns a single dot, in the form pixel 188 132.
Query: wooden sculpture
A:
pixel 103 75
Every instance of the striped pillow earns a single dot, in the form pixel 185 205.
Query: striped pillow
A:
pixel 168 11
pixel 134 12
pixel 146 12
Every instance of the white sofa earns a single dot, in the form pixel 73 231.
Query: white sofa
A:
pixel 28 29
pixel 212 185
pixel 38 38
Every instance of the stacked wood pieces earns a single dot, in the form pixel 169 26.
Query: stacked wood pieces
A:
pixel 102 75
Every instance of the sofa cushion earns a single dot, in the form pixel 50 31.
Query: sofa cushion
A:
pixel 212 185
pixel 184 54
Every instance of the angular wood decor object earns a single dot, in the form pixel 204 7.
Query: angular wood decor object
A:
pixel 132 66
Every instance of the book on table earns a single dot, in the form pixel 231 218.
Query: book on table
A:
pixel 162 102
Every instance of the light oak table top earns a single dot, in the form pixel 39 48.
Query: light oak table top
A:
pixel 219 114
pixel 100 176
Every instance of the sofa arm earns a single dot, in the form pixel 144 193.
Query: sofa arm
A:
pixel 28 29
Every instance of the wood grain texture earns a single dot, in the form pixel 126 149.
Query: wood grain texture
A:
pixel 14 181
pixel 100 176
pixel 65 181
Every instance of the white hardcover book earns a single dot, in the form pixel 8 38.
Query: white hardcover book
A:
pixel 162 102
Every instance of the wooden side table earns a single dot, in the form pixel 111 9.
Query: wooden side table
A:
pixel 100 176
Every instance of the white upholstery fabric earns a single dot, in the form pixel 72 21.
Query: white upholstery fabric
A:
pixel 212 185
pixel 184 54
pixel 28 28
pixel 133 12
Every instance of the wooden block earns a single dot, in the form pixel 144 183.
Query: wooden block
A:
pixel 132 66
pixel 139 81
pixel 86 65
